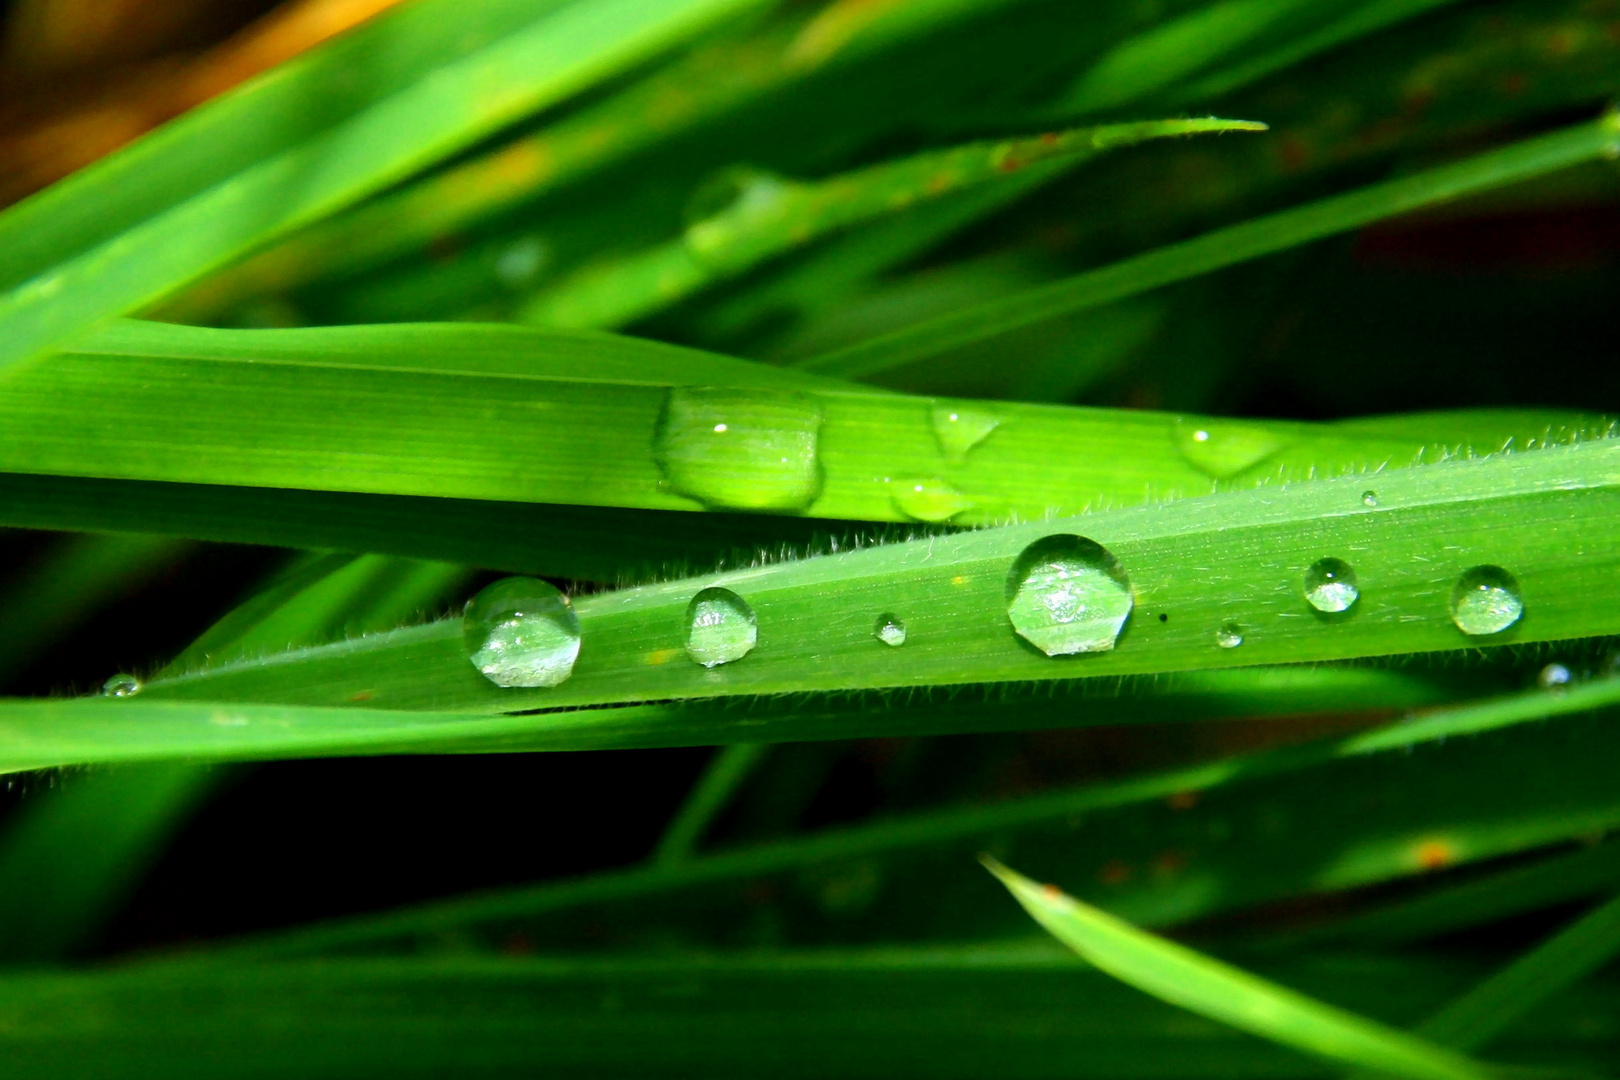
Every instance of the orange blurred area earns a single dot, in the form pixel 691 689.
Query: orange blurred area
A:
pixel 80 78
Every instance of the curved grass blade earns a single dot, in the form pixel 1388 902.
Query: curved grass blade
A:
pixel 1224 566
pixel 1229 246
pixel 1206 986
pixel 728 770
pixel 769 216
pixel 135 243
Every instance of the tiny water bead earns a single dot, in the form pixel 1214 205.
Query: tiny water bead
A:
pixel 1229 636
pixel 1223 449
pixel 1554 677
pixel 890 630
pixel 521 631
pixel 927 499
pixel 1330 586
pixel 121 685
pixel 720 627
pixel 1067 594
pixel 1369 498
pixel 740 449
pixel 961 426
pixel 1485 600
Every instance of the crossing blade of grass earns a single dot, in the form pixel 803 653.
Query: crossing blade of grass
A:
pixel 1208 987
pixel 767 216
pixel 707 799
pixel 503 413
pixel 1228 246
pixel 1217 568
pixel 146 230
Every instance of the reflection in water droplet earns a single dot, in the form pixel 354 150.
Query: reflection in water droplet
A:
pixel 1229 636
pixel 928 499
pixel 521 631
pixel 1369 498
pixel 720 627
pixel 1330 585
pixel 1485 600
pixel 1223 448
pixel 740 449
pixel 890 630
pixel 121 685
pixel 1554 676
pixel 1067 594
pixel 960 426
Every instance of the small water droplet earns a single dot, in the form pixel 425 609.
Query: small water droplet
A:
pixel 730 209
pixel 1330 586
pixel 121 685
pixel 740 449
pixel 521 631
pixel 928 499
pixel 522 260
pixel 890 630
pixel 1369 498
pixel 720 627
pixel 1554 676
pixel 1067 594
pixel 960 426
pixel 1229 636
pixel 1485 600
pixel 1223 448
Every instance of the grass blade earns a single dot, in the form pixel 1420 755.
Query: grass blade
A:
pixel 720 780
pixel 1211 988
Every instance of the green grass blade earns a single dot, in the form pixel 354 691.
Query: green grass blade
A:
pixel 770 216
pixel 1206 986
pixel 708 798
pixel 566 48
pixel 1229 246
pixel 1544 515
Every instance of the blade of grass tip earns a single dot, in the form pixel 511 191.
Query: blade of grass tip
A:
pixel 1229 246
pixel 1211 988
pixel 724 774
pixel 566 48
pixel 768 216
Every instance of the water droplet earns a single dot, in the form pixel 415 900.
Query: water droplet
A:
pixel 521 631
pixel 928 499
pixel 522 260
pixel 1067 594
pixel 1222 448
pixel 890 630
pixel 1485 600
pixel 730 209
pixel 1369 498
pixel 740 449
pixel 121 685
pixel 960 426
pixel 1330 586
pixel 1554 676
pixel 1229 636
pixel 721 627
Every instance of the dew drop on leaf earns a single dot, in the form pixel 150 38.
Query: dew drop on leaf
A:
pixel 1229 636
pixel 1222 448
pixel 1330 586
pixel 121 685
pixel 890 630
pixel 1067 594
pixel 521 631
pixel 928 499
pixel 740 449
pixel 720 627
pixel 961 426
pixel 1485 600
pixel 1369 498
pixel 1554 677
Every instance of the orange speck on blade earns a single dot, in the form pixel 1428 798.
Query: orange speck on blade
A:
pixel 1051 892
pixel 958 580
pixel 1435 854
pixel 364 695
pixel 661 656
pixel 1183 800
pixel 1114 872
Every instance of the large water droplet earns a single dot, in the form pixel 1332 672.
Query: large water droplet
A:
pixel 1067 594
pixel 521 631
pixel 1223 448
pixel 720 627
pixel 1330 586
pixel 121 685
pixel 740 449
pixel 928 499
pixel 960 426
pixel 1485 600
pixel 1229 636
pixel 890 630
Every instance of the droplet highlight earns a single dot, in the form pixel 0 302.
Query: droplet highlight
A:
pixel 1369 498
pixel 1229 636
pixel 740 449
pixel 890 630
pixel 960 426
pixel 928 499
pixel 1068 594
pixel 1554 677
pixel 1223 448
pixel 521 631
pixel 1486 601
pixel 1330 586
pixel 121 685
pixel 720 627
